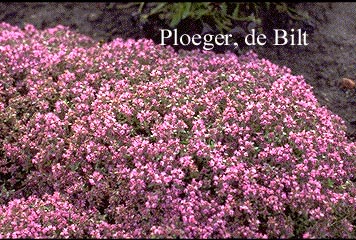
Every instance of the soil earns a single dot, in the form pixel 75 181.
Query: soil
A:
pixel 328 57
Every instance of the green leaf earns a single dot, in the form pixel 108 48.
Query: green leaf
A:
pixel 177 16
pixel 75 166
pixel 330 183
pixel 186 11
pixel 158 8
pixel 221 26
pixel 223 8
pixel 200 12
pixel 235 14
pixel 141 7
pixel 175 20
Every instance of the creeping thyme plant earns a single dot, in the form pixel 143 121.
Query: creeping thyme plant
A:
pixel 129 139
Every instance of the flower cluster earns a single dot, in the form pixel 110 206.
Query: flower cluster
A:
pixel 132 139
pixel 51 217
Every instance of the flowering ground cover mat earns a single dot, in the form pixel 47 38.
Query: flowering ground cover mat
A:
pixel 130 139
